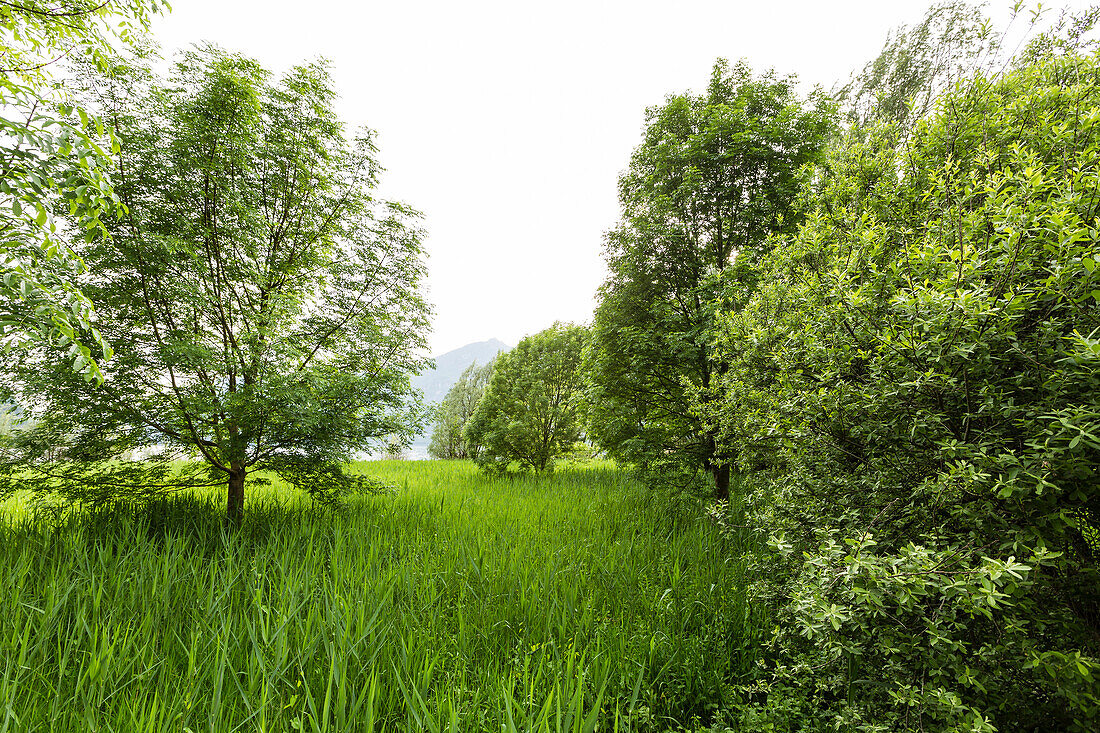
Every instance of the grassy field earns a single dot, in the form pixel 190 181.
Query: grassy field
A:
pixel 578 602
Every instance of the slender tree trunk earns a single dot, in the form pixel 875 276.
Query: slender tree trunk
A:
pixel 235 504
pixel 721 482
pixel 719 469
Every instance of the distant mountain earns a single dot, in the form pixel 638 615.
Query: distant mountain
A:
pixel 449 367
pixel 435 383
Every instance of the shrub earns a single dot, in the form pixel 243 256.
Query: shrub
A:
pixel 920 375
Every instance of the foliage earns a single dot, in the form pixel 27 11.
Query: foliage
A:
pixel 917 64
pixel 262 305
pixel 714 178
pixel 510 605
pixel 918 374
pixel 1069 33
pixel 529 412
pixel 49 164
pixel 10 419
pixel 448 439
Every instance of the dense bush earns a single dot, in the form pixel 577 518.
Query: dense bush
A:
pixel 918 375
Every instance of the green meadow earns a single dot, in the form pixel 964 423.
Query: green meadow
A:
pixel 454 601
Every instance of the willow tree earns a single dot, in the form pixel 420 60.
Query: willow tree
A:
pixel 262 305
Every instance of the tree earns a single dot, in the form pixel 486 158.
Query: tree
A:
pixel 50 163
pixel 716 176
pixel 454 413
pixel 263 307
pixel 529 412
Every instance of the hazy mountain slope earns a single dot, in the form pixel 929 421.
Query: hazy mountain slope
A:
pixel 449 366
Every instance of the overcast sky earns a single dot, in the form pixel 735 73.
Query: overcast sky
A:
pixel 508 122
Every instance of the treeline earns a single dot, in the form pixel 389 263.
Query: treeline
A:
pixel 871 322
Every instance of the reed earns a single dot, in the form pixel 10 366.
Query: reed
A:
pixel 575 602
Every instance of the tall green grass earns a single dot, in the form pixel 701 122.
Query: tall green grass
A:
pixel 577 602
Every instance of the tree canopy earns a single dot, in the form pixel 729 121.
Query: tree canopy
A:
pixel 918 64
pixel 52 162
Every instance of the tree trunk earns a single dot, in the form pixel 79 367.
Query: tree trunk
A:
pixel 721 482
pixel 718 469
pixel 235 504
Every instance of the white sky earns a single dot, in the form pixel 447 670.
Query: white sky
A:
pixel 508 122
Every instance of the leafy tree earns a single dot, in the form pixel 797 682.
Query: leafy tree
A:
pixel 921 360
pixel 49 163
pixel 448 439
pixel 529 412
pixel 263 306
pixel 716 176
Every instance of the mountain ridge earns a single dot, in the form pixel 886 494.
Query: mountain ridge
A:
pixel 435 383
